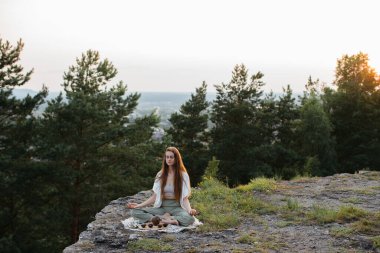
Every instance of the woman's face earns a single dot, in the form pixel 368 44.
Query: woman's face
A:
pixel 169 158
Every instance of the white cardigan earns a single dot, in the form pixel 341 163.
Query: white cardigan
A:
pixel 186 189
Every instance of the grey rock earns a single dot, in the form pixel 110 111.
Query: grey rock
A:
pixel 107 234
pixel 133 236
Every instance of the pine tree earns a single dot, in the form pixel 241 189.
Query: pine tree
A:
pixel 14 113
pixel 90 141
pixel 276 155
pixel 287 113
pixel 21 193
pixel 236 131
pixel 189 134
pixel 280 153
pixel 315 138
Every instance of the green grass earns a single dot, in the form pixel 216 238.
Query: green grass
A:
pixel 373 175
pixel 358 220
pixel 369 224
pixel 149 244
pixel 365 226
pixel 376 242
pixel 352 200
pixel 293 217
pixel 292 212
pixel 216 202
pixel 262 242
pixel 341 231
pixel 247 239
pixel 168 238
pixel 300 178
pixel 365 191
pixel 321 215
pixel 259 184
pixel 222 207
pixel 292 204
pixel 350 213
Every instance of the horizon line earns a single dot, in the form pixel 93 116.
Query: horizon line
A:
pixel 151 91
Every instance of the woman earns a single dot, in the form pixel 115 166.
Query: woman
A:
pixel 171 192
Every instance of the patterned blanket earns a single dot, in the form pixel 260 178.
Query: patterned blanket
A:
pixel 133 224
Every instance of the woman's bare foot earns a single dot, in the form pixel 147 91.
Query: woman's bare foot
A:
pixel 170 221
pixel 166 216
pixel 166 219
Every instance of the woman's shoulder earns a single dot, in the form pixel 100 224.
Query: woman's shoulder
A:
pixel 158 176
pixel 185 175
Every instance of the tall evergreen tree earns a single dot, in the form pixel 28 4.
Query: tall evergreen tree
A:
pixel 22 196
pixel 353 110
pixel 283 158
pixel 14 113
pixel 88 139
pixel 236 131
pixel 276 155
pixel 267 118
pixel 287 112
pixel 315 139
pixel 189 134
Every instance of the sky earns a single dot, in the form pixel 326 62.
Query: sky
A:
pixel 174 45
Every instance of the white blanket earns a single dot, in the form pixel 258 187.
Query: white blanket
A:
pixel 133 224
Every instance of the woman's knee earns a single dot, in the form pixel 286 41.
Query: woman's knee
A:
pixel 186 220
pixel 135 212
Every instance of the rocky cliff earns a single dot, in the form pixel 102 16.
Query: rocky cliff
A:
pixel 295 227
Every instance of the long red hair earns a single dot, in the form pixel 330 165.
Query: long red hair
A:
pixel 179 168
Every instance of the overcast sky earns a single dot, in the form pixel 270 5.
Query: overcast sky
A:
pixel 175 45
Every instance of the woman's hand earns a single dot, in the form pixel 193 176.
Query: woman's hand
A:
pixel 193 212
pixel 132 205
pixel 147 202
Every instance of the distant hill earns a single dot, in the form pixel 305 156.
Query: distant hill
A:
pixel 164 103
pixel 21 93
pixel 147 98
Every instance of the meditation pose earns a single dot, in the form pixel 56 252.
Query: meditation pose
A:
pixel 171 192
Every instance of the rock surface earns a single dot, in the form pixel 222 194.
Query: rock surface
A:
pixel 271 232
